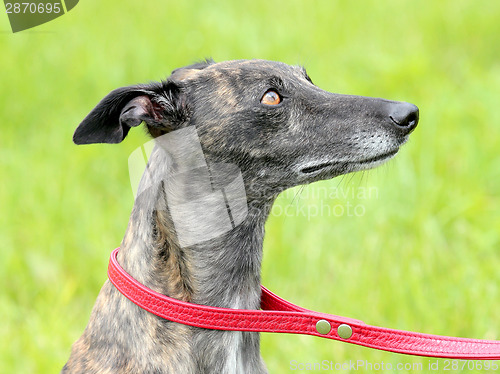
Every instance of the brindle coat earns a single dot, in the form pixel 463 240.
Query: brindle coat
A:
pixel 310 135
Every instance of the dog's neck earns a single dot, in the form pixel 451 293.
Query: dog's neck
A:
pixel 223 271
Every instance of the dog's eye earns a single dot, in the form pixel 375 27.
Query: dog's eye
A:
pixel 271 97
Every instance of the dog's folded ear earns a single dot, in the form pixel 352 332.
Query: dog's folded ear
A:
pixel 127 107
pixel 161 105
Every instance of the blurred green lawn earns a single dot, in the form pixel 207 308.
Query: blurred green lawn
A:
pixel 422 250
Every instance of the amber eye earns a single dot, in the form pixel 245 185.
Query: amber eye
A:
pixel 271 98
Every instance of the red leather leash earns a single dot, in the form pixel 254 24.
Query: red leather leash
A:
pixel 279 315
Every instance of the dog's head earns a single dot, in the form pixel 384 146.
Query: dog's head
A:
pixel 266 117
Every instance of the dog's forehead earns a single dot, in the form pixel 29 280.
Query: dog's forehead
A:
pixel 255 69
pixel 254 65
pixel 243 68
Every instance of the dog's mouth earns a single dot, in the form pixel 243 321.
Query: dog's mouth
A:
pixel 350 165
pixel 315 168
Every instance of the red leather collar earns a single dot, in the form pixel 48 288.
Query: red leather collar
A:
pixel 281 316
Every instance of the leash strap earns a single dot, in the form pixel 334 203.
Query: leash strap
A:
pixel 280 316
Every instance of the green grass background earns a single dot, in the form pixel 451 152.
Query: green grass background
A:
pixel 424 254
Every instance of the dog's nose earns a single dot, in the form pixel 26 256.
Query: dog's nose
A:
pixel 404 116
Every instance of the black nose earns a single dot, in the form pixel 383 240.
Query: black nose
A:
pixel 404 116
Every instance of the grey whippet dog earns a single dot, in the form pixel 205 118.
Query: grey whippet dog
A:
pixel 281 130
